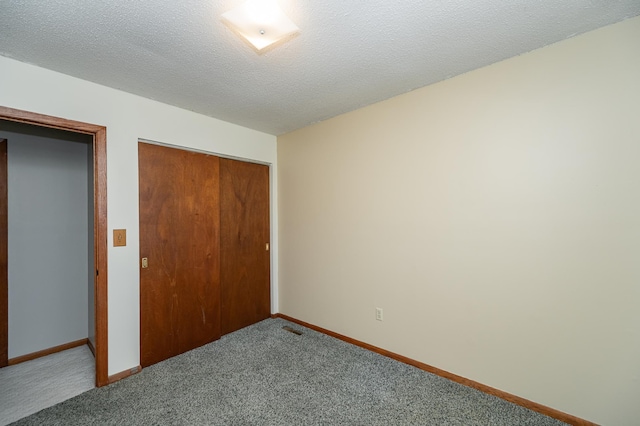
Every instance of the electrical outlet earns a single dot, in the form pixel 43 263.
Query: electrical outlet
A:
pixel 379 314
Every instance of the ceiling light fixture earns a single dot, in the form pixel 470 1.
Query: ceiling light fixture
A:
pixel 260 22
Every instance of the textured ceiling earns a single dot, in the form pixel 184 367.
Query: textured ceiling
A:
pixel 347 55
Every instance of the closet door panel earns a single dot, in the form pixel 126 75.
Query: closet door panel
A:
pixel 179 238
pixel 244 244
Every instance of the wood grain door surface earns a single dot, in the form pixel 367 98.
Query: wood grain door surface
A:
pixel 179 235
pixel 244 239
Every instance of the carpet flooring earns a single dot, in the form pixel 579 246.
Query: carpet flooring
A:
pixel 28 387
pixel 264 375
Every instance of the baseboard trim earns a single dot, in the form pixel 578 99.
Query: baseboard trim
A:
pixel 124 374
pixel 534 406
pixel 91 347
pixel 45 352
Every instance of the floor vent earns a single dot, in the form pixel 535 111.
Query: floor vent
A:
pixel 291 330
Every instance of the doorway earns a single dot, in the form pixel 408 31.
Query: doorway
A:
pixel 99 181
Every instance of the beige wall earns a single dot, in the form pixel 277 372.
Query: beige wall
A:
pixel 495 217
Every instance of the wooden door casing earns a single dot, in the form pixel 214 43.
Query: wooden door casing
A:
pixel 4 253
pixel 179 234
pixel 99 134
pixel 244 239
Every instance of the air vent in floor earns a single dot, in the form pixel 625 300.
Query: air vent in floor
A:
pixel 291 330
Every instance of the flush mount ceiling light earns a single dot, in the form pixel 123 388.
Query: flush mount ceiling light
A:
pixel 261 22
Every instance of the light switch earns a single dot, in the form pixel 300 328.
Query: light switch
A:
pixel 119 237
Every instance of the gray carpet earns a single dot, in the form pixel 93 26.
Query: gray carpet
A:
pixel 264 375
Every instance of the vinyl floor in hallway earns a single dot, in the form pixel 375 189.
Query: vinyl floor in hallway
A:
pixel 31 386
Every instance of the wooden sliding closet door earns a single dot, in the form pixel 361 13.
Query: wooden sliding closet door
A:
pixel 179 237
pixel 244 244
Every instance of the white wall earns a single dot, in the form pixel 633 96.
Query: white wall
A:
pixel 127 118
pixel 48 234
pixel 495 217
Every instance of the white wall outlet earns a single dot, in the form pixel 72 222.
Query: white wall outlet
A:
pixel 379 314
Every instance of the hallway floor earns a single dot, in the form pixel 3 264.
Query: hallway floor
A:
pixel 29 387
